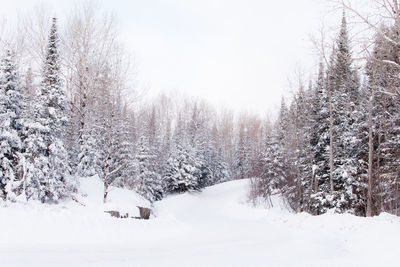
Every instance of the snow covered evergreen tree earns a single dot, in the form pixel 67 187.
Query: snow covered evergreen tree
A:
pixel 149 183
pixel 304 162
pixel 345 91
pixel 11 109
pixel 183 171
pixel 126 151
pixel 241 163
pixel 320 145
pixel 47 165
pixel 88 157
pixel 215 160
pixel 274 174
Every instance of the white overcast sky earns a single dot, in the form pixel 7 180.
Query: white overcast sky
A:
pixel 235 53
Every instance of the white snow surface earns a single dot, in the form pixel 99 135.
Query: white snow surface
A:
pixel 122 200
pixel 215 227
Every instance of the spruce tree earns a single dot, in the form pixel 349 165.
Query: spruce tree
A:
pixel 345 88
pixel 305 160
pixel 182 171
pixel 11 109
pixel 47 159
pixel 275 175
pixel 274 171
pixel 320 145
pixel 219 171
pixel 241 164
pixel 149 183
pixel 88 157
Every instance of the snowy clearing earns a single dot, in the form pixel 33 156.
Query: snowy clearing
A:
pixel 213 228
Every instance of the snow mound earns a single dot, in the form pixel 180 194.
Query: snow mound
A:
pixel 118 199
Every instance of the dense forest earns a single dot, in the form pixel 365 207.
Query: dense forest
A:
pixel 335 146
pixel 73 115
pixel 67 111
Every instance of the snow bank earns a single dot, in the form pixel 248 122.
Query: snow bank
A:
pixel 122 200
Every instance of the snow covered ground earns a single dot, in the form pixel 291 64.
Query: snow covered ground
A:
pixel 212 228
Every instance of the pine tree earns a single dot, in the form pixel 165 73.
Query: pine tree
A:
pixel 88 157
pixel 11 108
pixel 241 164
pixel 320 145
pixel 182 171
pixel 219 168
pixel 215 160
pixel 149 183
pixel 345 88
pixel 305 160
pixel 126 150
pixel 47 163
pixel 165 151
pixel 274 175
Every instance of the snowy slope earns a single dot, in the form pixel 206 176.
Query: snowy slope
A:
pixel 212 228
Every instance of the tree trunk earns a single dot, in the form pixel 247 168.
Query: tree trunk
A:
pixel 370 156
pixel 312 173
pixel 330 140
pixel 105 192
pixel 378 168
